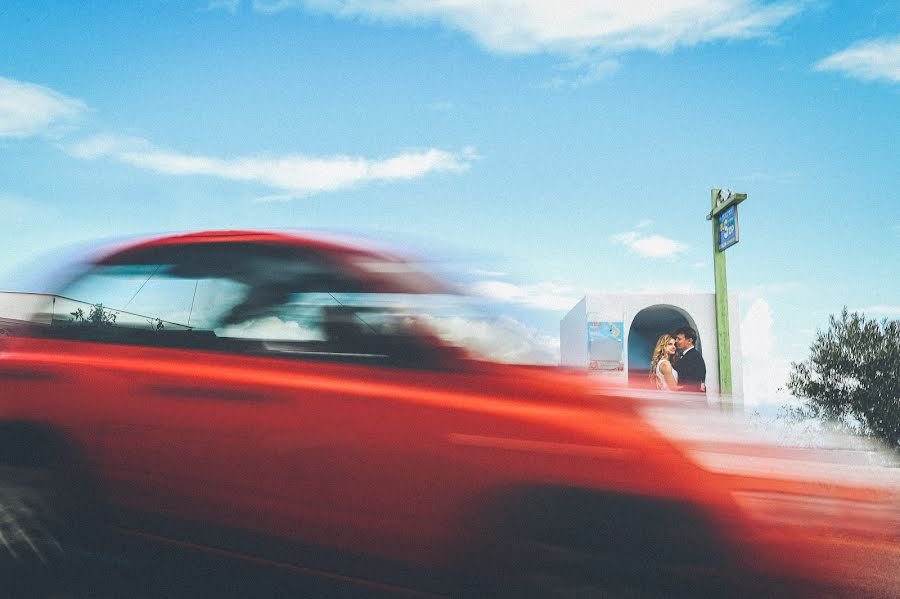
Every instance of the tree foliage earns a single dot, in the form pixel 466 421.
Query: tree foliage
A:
pixel 852 376
pixel 97 315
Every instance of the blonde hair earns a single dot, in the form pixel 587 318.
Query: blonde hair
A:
pixel 659 353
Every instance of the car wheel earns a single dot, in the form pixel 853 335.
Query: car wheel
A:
pixel 34 529
pixel 30 525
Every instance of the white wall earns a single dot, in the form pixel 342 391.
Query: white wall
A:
pixel 573 349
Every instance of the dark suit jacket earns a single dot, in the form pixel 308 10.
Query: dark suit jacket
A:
pixel 691 371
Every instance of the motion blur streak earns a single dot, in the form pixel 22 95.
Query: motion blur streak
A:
pixel 538 446
pixel 241 375
pixel 280 401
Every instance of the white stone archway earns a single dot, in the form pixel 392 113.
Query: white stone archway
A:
pixel 646 328
pixel 642 318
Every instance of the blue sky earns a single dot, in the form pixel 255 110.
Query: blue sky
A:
pixel 561 148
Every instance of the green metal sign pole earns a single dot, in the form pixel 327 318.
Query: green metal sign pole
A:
pixel 723 215
pixel 722 325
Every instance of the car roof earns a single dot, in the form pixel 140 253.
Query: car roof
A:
pixel 360 254
pixel 317 241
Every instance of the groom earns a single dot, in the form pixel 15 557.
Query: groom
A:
pixel 691 367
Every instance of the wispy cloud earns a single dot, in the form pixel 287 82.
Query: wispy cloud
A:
pixel 27 109
pixel 584 71
pixel 649 246
pixel 869 60
pixel 880 310
pixel 544 296
pixel 226 5
pixel 294 175
pixel 589 35
pixel 571 28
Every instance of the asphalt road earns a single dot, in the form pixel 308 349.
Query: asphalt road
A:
pixel 150 575
pixel 871 572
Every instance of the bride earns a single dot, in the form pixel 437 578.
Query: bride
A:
pixel 661 371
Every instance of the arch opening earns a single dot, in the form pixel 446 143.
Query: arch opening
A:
pixel 646 328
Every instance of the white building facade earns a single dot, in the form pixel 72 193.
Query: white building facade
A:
pixel 614 335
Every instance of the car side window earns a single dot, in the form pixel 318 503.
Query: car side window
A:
pixel 237 299
pixel 333 322
pixel 146 296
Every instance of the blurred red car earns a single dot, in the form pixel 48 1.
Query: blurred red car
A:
pixel 285 400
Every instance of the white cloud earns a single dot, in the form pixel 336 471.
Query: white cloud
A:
pixel 503 339
pixel 275 6
pixel 572 28
pixel 765 373
pixel 545 296
pixel 27 109
pixel 870 60
pixel 226 5
pixel 296 175
pixel 583 71
pixel 756 329
pixel 649 246
pixel 881 310
pixel 271 328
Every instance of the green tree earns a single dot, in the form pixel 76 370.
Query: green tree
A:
pixel 98 315
pixel 852 376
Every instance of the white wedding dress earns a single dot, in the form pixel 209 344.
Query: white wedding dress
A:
pixel 661 378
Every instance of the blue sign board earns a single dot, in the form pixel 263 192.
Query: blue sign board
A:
pixel 728 228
